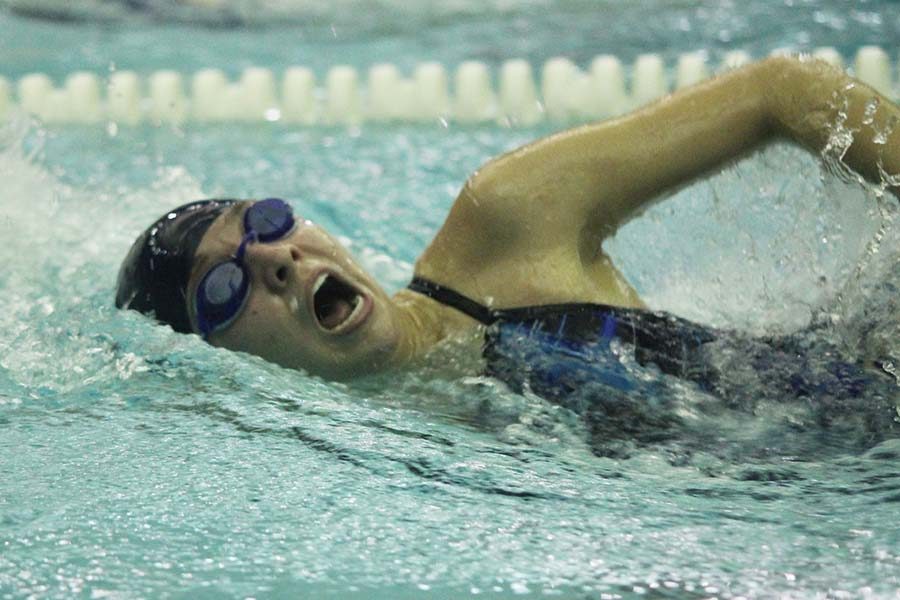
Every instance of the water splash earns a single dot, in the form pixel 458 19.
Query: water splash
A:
pixel 61 254
pixel 760 247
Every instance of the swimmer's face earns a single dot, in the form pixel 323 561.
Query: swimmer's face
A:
pixel 310 305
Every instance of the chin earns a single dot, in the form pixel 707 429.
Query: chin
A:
pixel 377 350
pixel 369 350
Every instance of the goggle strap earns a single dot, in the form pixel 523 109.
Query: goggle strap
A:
pixel 248 238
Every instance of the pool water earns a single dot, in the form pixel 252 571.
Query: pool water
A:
pixel 135 462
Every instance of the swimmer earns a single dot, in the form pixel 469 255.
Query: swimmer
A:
pixel 520 253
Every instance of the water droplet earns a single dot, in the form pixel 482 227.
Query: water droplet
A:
pixel 870 110
pixel 881 135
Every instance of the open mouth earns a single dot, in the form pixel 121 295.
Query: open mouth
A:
pixel 335 303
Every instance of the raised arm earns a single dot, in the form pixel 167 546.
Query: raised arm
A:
pixel 597 177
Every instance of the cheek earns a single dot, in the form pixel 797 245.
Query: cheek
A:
pixel 262 329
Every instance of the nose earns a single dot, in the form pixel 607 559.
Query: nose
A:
pixel 274 264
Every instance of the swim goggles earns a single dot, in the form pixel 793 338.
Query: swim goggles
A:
pixel 223 291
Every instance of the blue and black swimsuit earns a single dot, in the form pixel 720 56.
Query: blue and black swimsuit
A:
pixel 558 349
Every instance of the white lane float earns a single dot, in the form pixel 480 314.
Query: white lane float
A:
pixel 565 92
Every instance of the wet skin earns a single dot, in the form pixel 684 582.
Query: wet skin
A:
pixel 528 227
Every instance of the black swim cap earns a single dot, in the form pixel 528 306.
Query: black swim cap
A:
pixel 154 276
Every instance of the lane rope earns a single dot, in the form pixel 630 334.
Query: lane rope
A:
pixel 512 96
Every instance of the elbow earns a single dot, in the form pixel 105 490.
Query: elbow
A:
pixel 802 98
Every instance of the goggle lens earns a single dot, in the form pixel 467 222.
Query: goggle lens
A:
pixel 270 219
pixel 221 295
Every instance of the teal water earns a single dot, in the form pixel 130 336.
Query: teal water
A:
pixel 135 462
pixel 282 33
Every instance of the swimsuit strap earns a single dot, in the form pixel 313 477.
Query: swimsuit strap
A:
pixel 487 316
pixel 453 299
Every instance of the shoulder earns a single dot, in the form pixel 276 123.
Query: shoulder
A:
pixel 477 230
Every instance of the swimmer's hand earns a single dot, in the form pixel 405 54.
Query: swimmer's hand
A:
pixel 827 111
